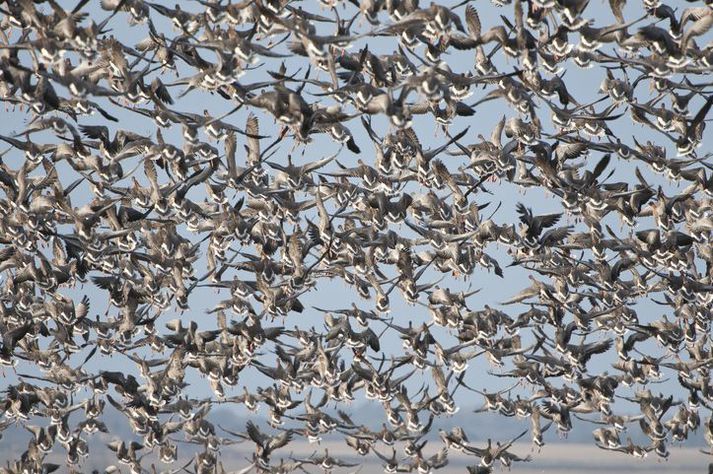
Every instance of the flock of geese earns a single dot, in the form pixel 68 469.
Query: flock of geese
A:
pixel 94 212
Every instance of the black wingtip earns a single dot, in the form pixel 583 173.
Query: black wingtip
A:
pixel 351 144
